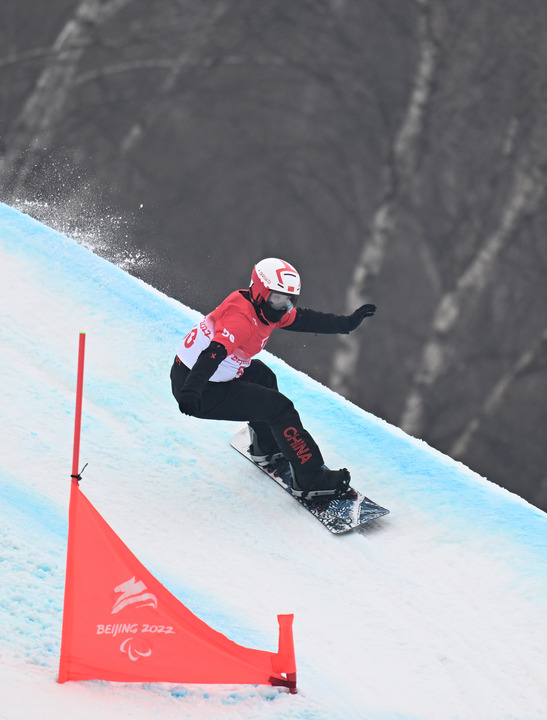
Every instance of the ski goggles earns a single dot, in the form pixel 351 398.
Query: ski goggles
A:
pixel 282 301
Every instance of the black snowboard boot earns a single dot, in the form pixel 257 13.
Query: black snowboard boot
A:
pixel 260 455
pixel 324 483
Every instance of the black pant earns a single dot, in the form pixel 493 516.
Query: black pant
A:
pixel 254 398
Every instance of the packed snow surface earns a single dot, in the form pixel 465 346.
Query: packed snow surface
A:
pixel 438 610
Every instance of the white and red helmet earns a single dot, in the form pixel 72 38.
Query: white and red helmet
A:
pixel 273 275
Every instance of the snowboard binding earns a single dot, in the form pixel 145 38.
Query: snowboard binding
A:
pixel 281 468
pixel 276 464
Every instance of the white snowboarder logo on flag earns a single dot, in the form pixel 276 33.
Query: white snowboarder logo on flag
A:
pixel 133 594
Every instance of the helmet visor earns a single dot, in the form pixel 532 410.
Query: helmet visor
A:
pixel 282 301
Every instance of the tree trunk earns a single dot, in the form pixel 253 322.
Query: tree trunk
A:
pixel 403 161
pixel 528 190
pixel 35 126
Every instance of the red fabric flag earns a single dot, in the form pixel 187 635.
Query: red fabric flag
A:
pixel 120 623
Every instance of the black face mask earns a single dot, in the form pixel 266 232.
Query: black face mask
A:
pixel 269 313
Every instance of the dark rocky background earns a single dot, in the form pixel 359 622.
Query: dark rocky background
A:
pixel 394 151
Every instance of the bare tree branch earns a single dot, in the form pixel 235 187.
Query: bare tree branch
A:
pixel 26 56
pixel 187 58
pixel 496 396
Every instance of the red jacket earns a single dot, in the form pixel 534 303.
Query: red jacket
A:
pixel 236 325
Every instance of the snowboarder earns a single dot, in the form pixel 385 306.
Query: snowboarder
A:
pixel 214 376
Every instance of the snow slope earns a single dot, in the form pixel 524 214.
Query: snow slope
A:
pixel 436 611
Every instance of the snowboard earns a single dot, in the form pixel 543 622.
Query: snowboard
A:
pixel 339 515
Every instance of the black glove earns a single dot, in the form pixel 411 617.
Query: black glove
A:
pixel 190 402
pixel 204 368
pixel 356 318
